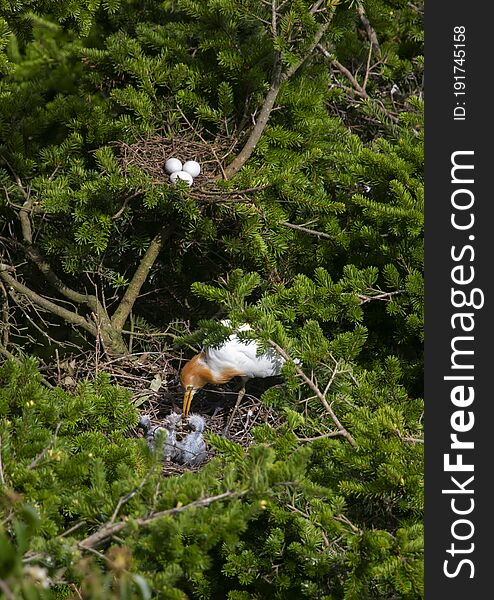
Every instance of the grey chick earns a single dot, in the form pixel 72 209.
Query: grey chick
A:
pixel 193 447
pixel 172 447
pixel 150 433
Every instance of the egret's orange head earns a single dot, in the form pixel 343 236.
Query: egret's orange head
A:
pixel 194 375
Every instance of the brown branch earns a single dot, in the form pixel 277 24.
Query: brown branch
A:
pixel 278 78
pixel 360 91
pixel 255 135
pixel 317 392
pixel 37 258
pixel 367 67
pixel 5 316
pixel 4 587
pixel 126 304
pixel 110 529
pixel 67 315
pixel 330 434
pixel 356 87
pixel 35 255
pixel 274 17
pixel 371 34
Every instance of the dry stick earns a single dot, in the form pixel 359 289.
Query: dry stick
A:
pixel 132 292
pixel 319 234
pixel 36 257
pixel 330 434
pixel 109 530
pixel 367 67
pixel 278 78
pixel 343 432
pixel 5 316
pixel 413 440
pixel 4 587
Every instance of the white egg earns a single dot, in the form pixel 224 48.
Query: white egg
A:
pixel 172 165
pixel 192 167
pixel 181 175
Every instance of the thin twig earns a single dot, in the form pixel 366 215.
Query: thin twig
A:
pixel 319 234
pixel 2 478
pixel 382 296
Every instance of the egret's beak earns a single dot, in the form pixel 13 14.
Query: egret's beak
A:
pixel 189 394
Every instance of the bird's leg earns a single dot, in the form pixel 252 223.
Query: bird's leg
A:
pixel 241 394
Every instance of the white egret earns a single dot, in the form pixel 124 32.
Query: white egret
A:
pixel 234 358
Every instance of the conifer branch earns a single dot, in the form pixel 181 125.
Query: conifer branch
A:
pixel 322 397
pixel 110 529
pixel 132 292
pixel 278 78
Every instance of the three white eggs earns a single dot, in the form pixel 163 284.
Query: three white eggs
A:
pixel 185 172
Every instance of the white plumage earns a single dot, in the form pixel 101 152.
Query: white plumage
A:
pixel 234 358
pixel 242 355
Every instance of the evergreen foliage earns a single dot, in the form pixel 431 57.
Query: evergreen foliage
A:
pixel 312 232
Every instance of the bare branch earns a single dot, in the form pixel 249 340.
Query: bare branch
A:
pixel 110 529
pixel 371 34
pixel 278 78
pixel 319 234
pixel 317 392
pixel 126 304
pixel 67 315
pixel 358 89
pixel 404 438
pixel 2 478
pixel 379 296
pixel 274 16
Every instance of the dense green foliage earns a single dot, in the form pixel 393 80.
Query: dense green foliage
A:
pixel 316 240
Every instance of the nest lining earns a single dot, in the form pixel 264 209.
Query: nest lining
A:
pixel 150 154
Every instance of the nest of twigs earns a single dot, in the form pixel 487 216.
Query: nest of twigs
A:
pixel 153 379
pixel 150 154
